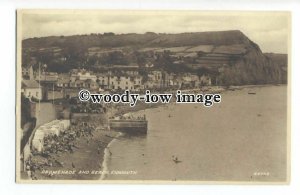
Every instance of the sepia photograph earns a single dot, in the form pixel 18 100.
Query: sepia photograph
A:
pixel 128 96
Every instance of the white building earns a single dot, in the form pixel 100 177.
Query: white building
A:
pixel 205 80
pixel 86 75
pixel 82 75
pixel 31 88
pixel 121 83
pixel 155 79
pixel 103 81
pixel 137 82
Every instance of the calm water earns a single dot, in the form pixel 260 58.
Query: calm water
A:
pixel 236 140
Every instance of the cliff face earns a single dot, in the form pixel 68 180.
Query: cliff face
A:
pixel 282 62
pixel 253 68
pixel 230 56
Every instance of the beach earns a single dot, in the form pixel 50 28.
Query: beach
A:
pixel 82 164
pixel 88 161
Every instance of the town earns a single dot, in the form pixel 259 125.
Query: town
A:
pixel 54 119
pixel 44 85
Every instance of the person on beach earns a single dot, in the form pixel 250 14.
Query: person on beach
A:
pixel 109 151
pixel 28 169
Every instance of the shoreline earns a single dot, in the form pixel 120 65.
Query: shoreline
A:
pixel 125 110
pixel 104 166
pixel 82 164
pixel 90 161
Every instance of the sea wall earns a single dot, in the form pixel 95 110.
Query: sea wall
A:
pixel 43 112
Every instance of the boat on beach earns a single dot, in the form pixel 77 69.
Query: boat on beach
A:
pixel 251 93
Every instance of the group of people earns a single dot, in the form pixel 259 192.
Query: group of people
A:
pixel 87 107
pixel 34 163
pixel 131 117
pixel 55 144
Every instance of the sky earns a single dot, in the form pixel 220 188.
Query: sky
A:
pixel 270 30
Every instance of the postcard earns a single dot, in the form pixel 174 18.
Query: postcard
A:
pixel 131 96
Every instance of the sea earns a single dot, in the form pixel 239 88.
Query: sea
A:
pixel 243 138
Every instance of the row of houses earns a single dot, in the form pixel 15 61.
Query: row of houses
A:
pixel 131 80
pixel 109 81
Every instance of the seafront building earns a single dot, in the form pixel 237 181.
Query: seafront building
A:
pixel 125 82
pixel 51 85
pixel 53 93
pixel 31 89
pixel 83 75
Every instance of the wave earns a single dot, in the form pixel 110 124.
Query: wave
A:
pixel 104 169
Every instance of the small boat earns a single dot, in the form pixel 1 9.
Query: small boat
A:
pixel 251 93
pixel 175 160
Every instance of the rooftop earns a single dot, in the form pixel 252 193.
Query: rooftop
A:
pixel 30 84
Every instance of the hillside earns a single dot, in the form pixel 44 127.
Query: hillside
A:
pixel 141 40
pixel 229 56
